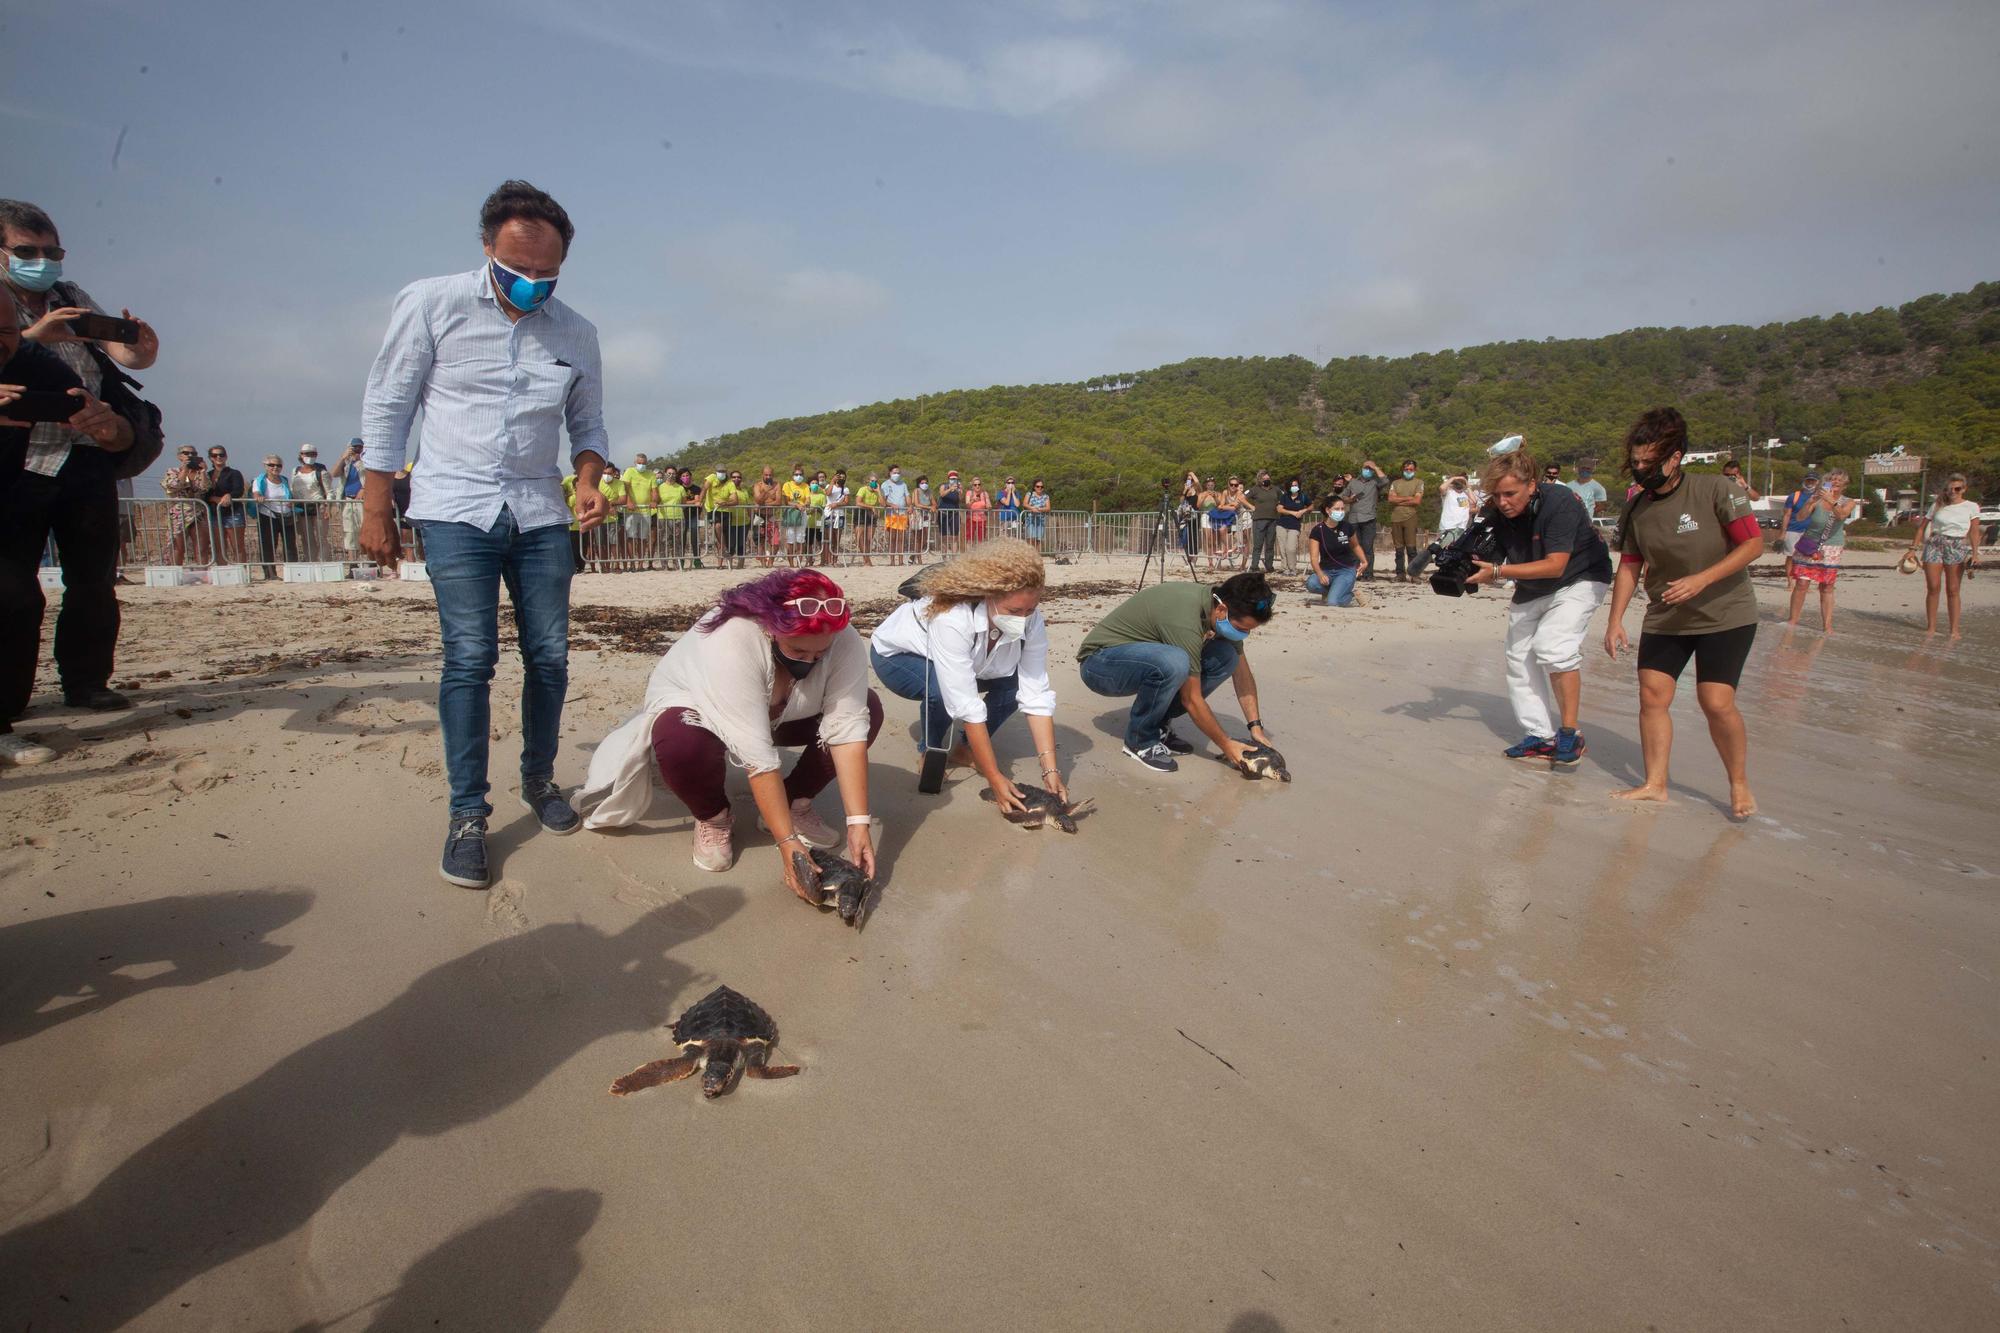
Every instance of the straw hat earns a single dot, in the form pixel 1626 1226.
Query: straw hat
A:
pixel 1908 564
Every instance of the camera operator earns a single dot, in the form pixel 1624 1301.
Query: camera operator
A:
pixel 1562 574
pixel 1454 516
pixel 62 477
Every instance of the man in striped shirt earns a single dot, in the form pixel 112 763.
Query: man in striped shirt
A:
pixel 499 368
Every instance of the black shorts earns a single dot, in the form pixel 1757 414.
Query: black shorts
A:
pixel 1718 656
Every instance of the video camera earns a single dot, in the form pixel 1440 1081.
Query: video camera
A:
pixel 1454 564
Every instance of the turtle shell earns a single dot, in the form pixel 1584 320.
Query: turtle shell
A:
pixel 724 1015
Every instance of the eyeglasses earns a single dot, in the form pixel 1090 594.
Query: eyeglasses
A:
pixel 189 453
pixel 55 252
pixel 817 606
pixel 273 462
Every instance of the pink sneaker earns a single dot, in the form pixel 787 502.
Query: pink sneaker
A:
pixel 712 849
pixel 808 825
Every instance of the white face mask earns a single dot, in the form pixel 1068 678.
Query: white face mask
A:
pixel 1011 627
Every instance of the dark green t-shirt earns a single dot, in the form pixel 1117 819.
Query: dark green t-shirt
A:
pixel 1172 613
pixel 1683 533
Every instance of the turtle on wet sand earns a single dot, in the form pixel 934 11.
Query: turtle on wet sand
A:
pixel 725 1036
pixel 1045 807
pixel 1264 761
pixel 842 886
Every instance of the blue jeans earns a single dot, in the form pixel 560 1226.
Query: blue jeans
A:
pixel 1338 585
pixel 1154 673
pixel 902 674
pixel 467 567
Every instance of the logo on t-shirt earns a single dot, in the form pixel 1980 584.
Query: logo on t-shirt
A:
pixel 1688 524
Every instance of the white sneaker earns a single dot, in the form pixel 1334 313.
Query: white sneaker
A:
pixel 20 751
pixel 712 846
pixel 809 826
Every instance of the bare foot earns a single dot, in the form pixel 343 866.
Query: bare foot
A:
pixel 1742 804
pixel 1642 792
pixel 1956 635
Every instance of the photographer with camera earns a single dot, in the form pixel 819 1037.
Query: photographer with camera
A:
pixel 1544 541
pixel 63 460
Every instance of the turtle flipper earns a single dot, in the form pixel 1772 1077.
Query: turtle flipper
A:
pixel 651 1075
pixel 770 1071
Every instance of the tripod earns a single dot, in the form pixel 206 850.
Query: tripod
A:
pixel 1162 518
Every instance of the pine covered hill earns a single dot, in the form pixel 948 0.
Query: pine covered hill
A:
pixel 1926 376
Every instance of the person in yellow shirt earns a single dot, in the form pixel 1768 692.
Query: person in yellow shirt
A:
pixel 718 519
pixel 643 488
pixel 733 507
pixel 609 543
pixel 797 494
pixel 867 508
pixel 672 494
pixel 815 520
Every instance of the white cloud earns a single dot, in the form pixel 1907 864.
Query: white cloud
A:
pixel 633 352
pixel 747 275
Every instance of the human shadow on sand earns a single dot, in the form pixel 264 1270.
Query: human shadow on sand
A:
pixel 77 962
pixel 509 1271
pixel 467 1039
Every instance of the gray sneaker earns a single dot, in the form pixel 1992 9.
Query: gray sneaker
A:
pixel 1156 757
pixel 464 862
pixel 545 799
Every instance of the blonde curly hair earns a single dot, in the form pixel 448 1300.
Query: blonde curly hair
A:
pixel 990 569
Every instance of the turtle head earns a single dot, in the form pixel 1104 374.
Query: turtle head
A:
pixel 722 1067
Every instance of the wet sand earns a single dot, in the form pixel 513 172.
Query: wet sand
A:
pixel 1423 1038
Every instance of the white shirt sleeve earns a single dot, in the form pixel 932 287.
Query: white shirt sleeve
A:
pixel 1034 694
pixel 731 675
pixel 844 714
pixel 951 664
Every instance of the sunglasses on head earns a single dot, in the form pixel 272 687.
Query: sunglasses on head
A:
pixel 816 606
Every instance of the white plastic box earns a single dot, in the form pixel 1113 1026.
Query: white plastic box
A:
pixel 314 571
pixel 51 577
pixel 166 576
pixel 229 576
pixel 414 571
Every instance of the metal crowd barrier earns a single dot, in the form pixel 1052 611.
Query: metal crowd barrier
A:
pixel 168 542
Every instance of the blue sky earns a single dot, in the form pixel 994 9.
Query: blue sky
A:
pixel 786 208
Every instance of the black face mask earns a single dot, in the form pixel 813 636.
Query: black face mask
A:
pixel 1652 478
pixel 796 669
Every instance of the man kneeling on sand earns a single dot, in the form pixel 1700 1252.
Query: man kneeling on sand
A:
pixel 1169 646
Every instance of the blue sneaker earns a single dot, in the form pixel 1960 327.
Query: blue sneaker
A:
pixel 464 862
pixel 1569 748
pixel 1531 747
pixel 545 800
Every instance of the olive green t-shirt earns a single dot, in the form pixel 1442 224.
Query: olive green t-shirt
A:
pixel 1683 533
pixel 1405 515
pixel 1170 613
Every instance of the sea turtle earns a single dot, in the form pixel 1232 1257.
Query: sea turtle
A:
pixel 724 1035
pixel 1264 761
pixel 1045 807
pixel 842 886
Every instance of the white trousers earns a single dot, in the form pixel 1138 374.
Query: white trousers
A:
pixel 1544 636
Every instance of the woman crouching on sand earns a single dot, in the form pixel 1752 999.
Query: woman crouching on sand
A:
pixel 774 664
pixel 972 650
pixel 1694 538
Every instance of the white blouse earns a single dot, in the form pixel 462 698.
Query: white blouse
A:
pixel 963 651
pixel 1953 520
pixel 725 679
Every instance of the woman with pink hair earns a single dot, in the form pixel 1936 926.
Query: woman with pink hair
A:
pixel 775 664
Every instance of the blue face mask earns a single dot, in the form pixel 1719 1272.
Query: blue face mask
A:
pixel 1367 472
pixel 34 275
pixel 523 293
pixel 1224 627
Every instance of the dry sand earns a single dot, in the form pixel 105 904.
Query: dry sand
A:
pixel 1422 1039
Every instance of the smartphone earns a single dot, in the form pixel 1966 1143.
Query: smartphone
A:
pixel 42 405
pixel 105 328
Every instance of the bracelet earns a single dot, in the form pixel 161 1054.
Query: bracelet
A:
pixel 794 837
pixel 1045 754
pixel 1056 771
pixel 1255 722
pixel 853 820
